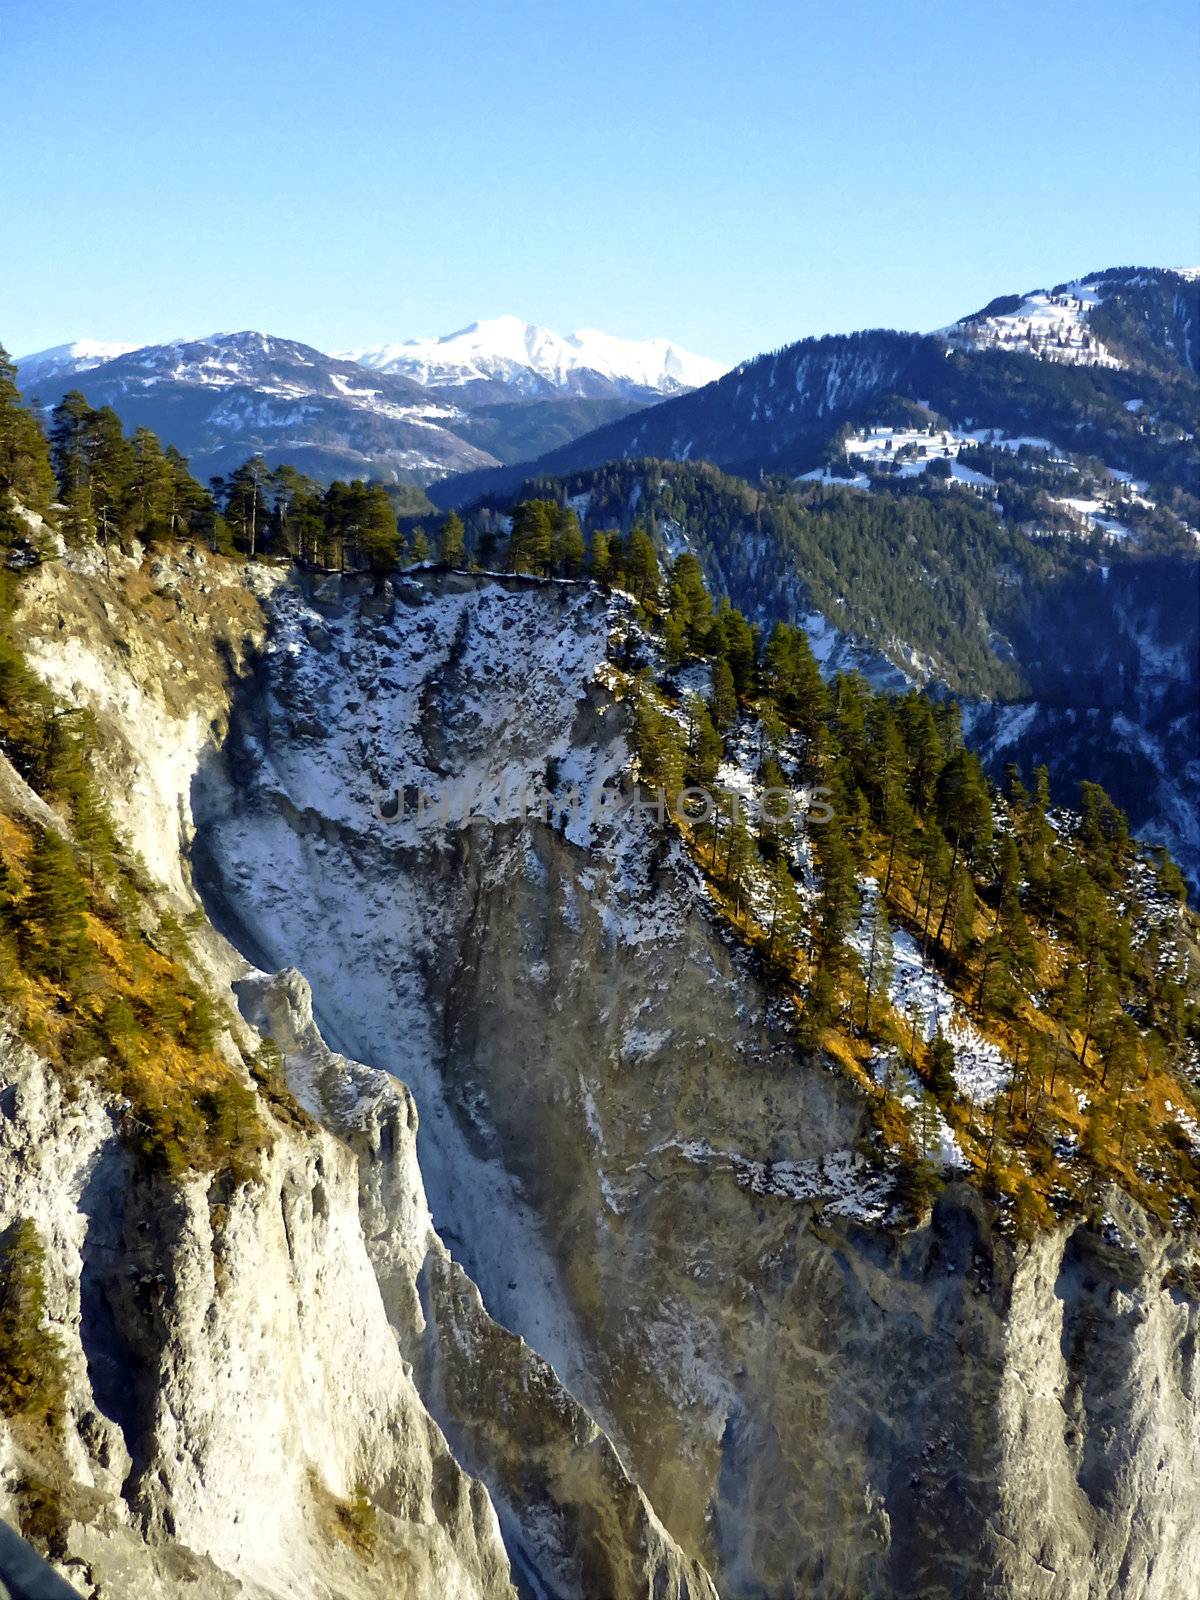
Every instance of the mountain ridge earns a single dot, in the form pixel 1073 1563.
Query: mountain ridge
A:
pixel 1137 406
pixel 228 395
pixel 536 360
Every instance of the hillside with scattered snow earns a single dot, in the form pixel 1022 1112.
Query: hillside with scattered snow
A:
pixel 500 391
pixel 228 396
pixel 64 360
pixel 1052 325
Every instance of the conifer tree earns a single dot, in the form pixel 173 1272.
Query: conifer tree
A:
pixel 566 546
pixel 737 643
pixel 786 910
pixel 150 488
pixel 245 503
pixel 452 541
pixel 879 959
pixel 70 427
pixel 641 566
pixel 70 440
pixel 25 469
pixel 377 541
pixel 689 602
pixel 705 745
pixel 674 642
pixel 723 700
pixel 941 1066
pixel 52 934
pixel 965 814
pixel 110 469
pixel 837 904
pixel 739 854
pixel 531 545
pixel 600 557
pixel 925 751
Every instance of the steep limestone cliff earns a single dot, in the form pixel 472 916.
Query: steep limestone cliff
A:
pixel 632 1167
pixel 252 1371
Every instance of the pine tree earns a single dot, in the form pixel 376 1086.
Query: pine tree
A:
pixel 786 911
pixel 566 546
pixel 92 828
pixel 150 491
pixel 705 745
pixel 965 814
pixel 110 470
pixel 641 566
pixel 378 542
pixel 739 855
pixel 941 1066
pixel 600 557
pixel 32 1375
pixel 531 545
pixel 690 604
pixel 70 429
pixel 25 469
pixel 880 962
pixel 838 898
pixel 452 541
pixel 53 931
pixel 659 747
pixel 737 643
pixel 245 503
pixel 723 700
pixel 925 750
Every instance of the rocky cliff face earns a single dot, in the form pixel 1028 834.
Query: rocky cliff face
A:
pixel 655 1321
pixel 247 1367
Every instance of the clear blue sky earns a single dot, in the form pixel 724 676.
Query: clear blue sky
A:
pixel 734 175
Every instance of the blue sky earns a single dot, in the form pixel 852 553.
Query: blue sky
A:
pixel 735 176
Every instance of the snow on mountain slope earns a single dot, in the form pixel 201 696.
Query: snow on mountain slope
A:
pixel 1050 324
pixel 221 398
pixel 61 360
pixel 535 360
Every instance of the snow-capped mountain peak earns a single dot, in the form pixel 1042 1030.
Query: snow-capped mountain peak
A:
pixel 535 360
pixel 80 355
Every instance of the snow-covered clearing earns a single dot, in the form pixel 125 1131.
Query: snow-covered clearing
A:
pixel 1053 327
pixel 921 998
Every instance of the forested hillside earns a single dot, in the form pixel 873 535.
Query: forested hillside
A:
pixel 1138 411
pixel 1063 604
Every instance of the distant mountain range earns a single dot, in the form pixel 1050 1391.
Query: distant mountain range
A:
pixel 492 393
pixel 1115 357
pixel 1008 508
pixel 1107 364
pixel 66 360
pixel 506 358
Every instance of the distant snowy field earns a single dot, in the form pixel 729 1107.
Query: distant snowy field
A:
pixel 1051 326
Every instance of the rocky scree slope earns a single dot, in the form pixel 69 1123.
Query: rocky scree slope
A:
pixel 623 1147
pixel 251 1370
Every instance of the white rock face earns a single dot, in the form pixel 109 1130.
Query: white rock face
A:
pixel 242 1359
pixel 234 1377
pixel 643 1179
pixel 779 1388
